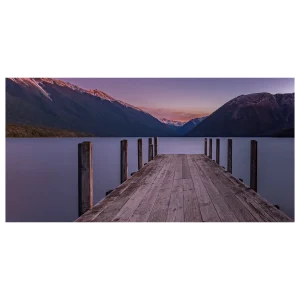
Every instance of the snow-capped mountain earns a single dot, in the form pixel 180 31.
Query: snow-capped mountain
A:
pixel 39 83
pixel 188 126
pixel 258 114
pixel 181 128
pixel 59 104
pixel 196 121
pixel 172 122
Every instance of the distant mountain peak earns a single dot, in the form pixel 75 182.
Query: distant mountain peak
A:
pixel 172 122
pixel 190 125
pixel 197 120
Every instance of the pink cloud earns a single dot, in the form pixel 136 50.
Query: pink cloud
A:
pixel 174 114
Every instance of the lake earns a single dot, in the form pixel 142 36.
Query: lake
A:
pixel 41 174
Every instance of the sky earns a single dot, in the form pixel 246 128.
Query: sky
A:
pixel 182 98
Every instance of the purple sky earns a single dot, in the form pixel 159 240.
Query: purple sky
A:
pixel 182 98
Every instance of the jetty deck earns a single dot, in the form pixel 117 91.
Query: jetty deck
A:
pixel 183 188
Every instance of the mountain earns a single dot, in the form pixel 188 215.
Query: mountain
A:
pixel 259 114
pixel 181 128
pixel 172 122
pixel 172 125
pixel 58 104
pixel 188 126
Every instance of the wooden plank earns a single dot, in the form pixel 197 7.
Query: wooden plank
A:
pixel 265 209
pixel 155 146
pixel 175 209
pixel 259 213
pixel 179 162
pixel 140 153
pixel 190 203
pixel 186 173
pixel 167 184
pixel 277 214
pixel 198 183
pixel 168 180
pixel 218 151
pixel 188 184
pixel 85 177
pixel 229 155
pixel 145 186
pixel 224 212
pixel 111 210
pixel 253 210
pixel 141 214
pixel 253 166
pixel 125 195
pixel 261 204
pixel 143 211
pixel 236 206
pixel 159 210
pixel 207 209
pixel 159 167
pixel 240 190
pixel 133 202
pixel 124 160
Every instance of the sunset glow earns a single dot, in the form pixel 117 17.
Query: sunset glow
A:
pixel 173 114
pixel 182 99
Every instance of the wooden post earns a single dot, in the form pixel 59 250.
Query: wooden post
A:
pixel 229 156
pixel 155 146
pixel 210 149
pixel 85 177
pixel 149 148
pixel 205 146
pixel 151 151
pixel 218 151
pixel 253 165
pixel 140 153
pixel 124 160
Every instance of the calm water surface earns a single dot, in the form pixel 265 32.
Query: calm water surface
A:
pixel 41 174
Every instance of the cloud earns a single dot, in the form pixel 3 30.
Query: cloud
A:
pixel 171 114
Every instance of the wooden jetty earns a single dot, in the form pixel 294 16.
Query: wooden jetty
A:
pixel 179 188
